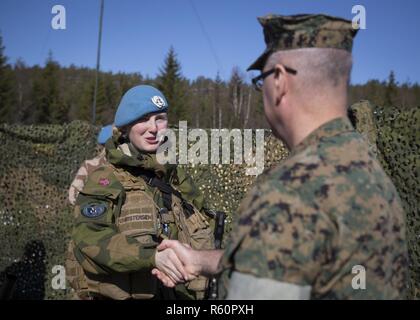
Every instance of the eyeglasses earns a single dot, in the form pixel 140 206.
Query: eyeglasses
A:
pixel 259 81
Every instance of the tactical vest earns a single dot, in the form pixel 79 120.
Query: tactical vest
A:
pixel 141 218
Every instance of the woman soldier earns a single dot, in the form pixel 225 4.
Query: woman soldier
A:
pixel 129 205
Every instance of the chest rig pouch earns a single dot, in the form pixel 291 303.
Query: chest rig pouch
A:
pixel 192 226
pixel 139 218
pixel 139 214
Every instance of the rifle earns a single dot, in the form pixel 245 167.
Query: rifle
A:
pixel 219 217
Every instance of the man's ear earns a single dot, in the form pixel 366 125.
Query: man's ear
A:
pixel 280 82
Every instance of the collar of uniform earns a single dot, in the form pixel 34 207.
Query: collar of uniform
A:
pixel 126 155
pixel 328 129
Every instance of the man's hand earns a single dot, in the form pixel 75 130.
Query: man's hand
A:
pixel 168 262
pixel 194 262
pixel 187 256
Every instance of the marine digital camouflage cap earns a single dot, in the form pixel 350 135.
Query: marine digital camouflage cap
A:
pixel 304 31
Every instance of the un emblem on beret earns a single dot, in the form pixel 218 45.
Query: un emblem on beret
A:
pixel 158 101
pixel 93 210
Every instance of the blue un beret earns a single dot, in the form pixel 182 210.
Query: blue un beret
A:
pixel 137 102
pixel 105 134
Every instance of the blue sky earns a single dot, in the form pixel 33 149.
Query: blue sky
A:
pixel 138 34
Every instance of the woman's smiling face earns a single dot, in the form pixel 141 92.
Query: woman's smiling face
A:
pixel 143 134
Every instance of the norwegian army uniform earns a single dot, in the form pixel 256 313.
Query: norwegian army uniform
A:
pixel 121 216
pixel 88 166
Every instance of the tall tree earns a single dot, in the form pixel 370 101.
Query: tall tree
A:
pixel 247 110
pixel 391 91
pixel 236 95
pixel 57 106
pixel 173 85
pixel 102 106
pixel 19 69
pixel 416 93
pixel 7 88
pixel 126 81
pixel 202 104
pixel 46 95
pixel 375 90
pixel 112 97
pixel 218 86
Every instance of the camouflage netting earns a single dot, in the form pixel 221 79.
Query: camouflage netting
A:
pixel 395 138
pixel 38 164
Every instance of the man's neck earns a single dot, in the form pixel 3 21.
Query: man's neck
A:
pixel 304 125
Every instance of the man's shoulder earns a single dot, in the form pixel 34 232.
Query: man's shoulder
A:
pixel 277 189
pixel 321 159
pixel 296 169
pixel 329 175
pixel 315 171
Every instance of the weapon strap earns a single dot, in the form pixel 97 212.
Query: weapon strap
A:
pixel 167 191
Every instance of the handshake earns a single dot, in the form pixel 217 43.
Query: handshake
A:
pixel 177 262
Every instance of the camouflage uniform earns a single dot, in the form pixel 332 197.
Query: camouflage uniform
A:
pixel 329 207
pixel 326 209
pixel 85 169
pixel 120 221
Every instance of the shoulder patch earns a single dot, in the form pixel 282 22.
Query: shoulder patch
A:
pixel 103 182
pixel 93 210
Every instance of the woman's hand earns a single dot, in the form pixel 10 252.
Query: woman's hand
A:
pixel 168 262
